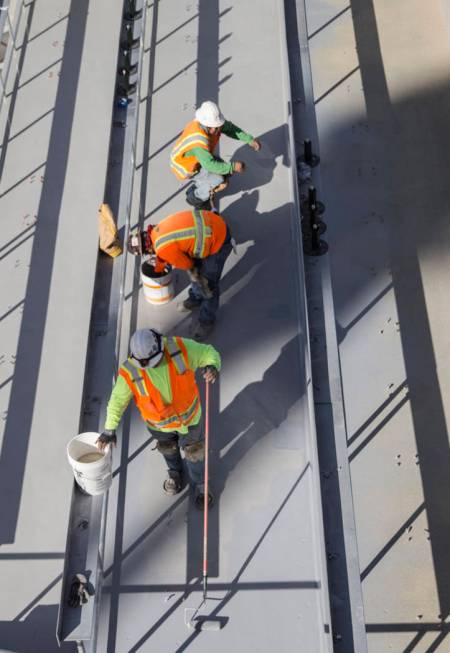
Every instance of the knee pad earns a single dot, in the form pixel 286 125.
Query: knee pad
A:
pixel 167 447
pixel 195 453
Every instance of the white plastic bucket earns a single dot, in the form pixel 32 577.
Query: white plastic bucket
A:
pixel 158 287
pixel 92 469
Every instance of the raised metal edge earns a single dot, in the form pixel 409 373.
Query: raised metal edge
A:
pixel 319 281
pixel 326 639
pixel 87 638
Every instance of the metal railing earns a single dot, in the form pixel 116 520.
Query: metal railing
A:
pixel 10 19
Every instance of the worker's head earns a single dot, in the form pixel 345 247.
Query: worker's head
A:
pixel 210 116
pixel 139 242
pixel 146 347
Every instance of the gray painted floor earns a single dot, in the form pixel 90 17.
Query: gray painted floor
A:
pixel 266 547
pixel 53 177
pixel 381 86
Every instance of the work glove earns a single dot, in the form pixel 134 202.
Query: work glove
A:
pixel 78 592
pixel 107 437
pixel 210 373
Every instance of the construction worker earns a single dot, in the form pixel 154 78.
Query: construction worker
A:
pixel 193 154
pixel 160 375
pixel 198 242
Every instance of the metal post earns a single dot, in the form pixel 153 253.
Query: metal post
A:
pixel 308 156
pixel 130 42
pixel 131 13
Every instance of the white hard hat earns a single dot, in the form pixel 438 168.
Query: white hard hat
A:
pixel 146 345
pixel 209 115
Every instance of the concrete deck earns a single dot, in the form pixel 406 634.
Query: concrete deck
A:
pixel 382 98
pixel 52 182
pixel 266 543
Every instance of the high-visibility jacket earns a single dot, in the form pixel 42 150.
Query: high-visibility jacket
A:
pixel 185 396
pixel 184 236
pixel 194 135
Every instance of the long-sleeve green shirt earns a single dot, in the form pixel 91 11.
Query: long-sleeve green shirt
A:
pixel 208 160
pixel 199 355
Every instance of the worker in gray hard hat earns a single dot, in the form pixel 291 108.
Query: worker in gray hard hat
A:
pixel 160 375
pixel 193 154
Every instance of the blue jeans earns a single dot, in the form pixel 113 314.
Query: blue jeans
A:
pixel 204 182
pixel 174 463
pixel 211 268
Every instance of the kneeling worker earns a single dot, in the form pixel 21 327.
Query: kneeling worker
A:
pixel 193 154
pixel 198 242
pixel 160 375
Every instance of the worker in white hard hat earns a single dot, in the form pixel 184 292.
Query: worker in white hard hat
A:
pixel 160 375
pixel 193 154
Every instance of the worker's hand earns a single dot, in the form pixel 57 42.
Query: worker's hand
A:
pixel 107 437
pixel 238 166
pixel 210 373
pixel 255 145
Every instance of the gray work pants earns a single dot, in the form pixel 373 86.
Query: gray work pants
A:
pixel 205 182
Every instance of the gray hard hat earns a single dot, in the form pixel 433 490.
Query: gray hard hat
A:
pixel 146 344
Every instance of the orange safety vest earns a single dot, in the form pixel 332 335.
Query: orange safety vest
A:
pixel 193 136
pixel 196 233
pixel 185 397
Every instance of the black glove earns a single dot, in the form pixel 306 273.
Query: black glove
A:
pixel 210 373
pixel 78 592
pixel 107 437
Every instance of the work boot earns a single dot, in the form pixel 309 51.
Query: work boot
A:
pixel 199 496
pixel 173 483
pixel 196 202
pixel 188 305
pixel 203 330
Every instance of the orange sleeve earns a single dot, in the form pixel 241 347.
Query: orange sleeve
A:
pixel 178 259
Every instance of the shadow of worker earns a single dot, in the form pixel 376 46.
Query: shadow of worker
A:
pixel 263 417
pixel 260 166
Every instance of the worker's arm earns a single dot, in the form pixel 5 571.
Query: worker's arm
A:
pixel 118 402
pixel 173 255
pixel 209 162
pixel 201 355
pixel 233 131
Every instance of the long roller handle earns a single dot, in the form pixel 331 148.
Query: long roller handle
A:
pixel 206 497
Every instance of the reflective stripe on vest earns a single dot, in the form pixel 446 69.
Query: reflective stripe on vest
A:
pixel 183 417
pixel 181 171
pixel 191 141
pixel 179 234
pixel 136 377
pixel 200 232
pixel 176 355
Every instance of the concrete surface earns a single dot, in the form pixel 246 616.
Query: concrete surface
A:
pixel 52 181
pixel 382 97
pixel 266 543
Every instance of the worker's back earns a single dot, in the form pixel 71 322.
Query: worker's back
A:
pixel 186 235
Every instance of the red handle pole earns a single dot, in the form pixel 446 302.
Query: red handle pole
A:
pixel 206 497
